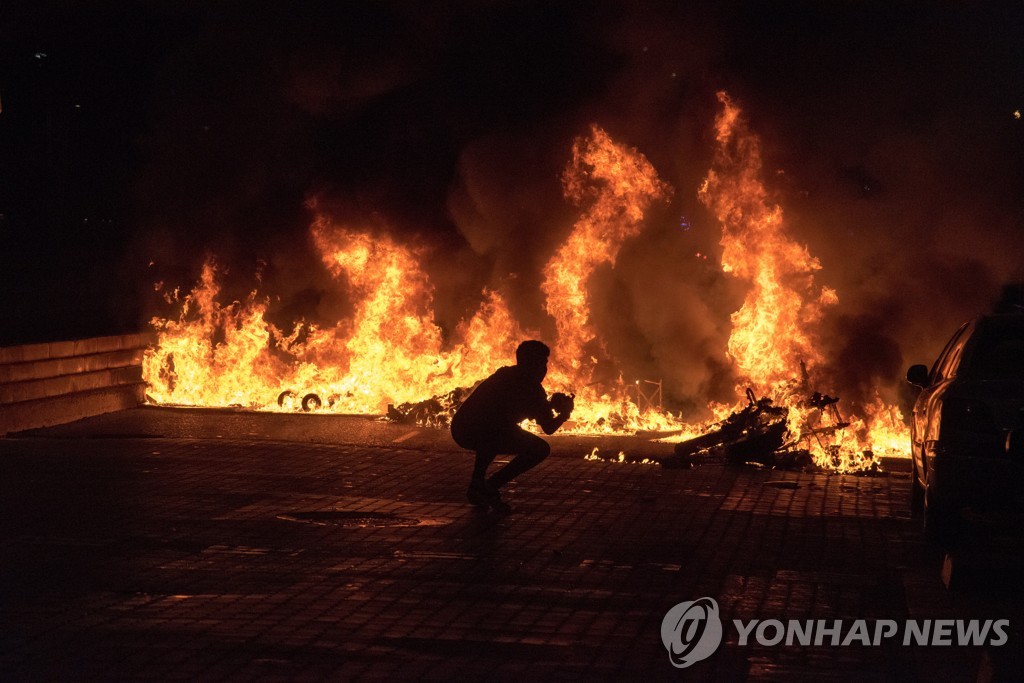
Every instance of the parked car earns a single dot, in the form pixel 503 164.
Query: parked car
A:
pixel 967 430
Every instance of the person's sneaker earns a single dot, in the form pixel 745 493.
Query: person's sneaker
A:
pixel 479 495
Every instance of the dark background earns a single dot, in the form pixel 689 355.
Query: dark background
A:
pixel 136 139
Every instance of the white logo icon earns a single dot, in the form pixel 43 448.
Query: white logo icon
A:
pixel 691 631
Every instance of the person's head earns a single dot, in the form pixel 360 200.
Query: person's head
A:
pixel 533 355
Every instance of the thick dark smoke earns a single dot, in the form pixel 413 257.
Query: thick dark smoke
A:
pixel 889 140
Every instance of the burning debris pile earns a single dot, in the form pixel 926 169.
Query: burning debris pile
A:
pixel 436 411
pixel 760 434
pixel 755 432
pixel 391 356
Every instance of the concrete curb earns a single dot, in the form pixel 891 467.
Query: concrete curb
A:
pixel 52 383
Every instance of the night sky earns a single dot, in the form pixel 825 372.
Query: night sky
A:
pixel 136 138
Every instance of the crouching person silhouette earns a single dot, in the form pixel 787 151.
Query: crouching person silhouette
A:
pixel 488 422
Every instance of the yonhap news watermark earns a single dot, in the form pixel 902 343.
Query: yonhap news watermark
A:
pixel 693 631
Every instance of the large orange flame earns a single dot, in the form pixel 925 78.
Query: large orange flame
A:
pixel 774 339
pixel 390 351
pixel 616 184
pixel 775 328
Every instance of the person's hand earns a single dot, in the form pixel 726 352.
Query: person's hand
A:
pixel 563 404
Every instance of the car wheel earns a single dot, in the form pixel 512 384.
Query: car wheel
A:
pixel 916 494
pixel 941 520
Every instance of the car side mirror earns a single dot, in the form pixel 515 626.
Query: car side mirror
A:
pixel 918 375
pixel 1015 444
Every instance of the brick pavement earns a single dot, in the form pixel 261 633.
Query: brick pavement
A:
pixel 232 559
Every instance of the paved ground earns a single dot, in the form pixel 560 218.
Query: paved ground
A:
pixel 160 545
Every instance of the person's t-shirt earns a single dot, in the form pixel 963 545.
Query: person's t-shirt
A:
pixel 502 401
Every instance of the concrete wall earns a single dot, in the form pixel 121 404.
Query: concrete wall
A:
pixel 47 384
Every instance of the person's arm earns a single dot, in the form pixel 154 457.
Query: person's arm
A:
pixel 555 413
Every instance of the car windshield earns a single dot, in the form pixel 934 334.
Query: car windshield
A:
pixel 999 353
